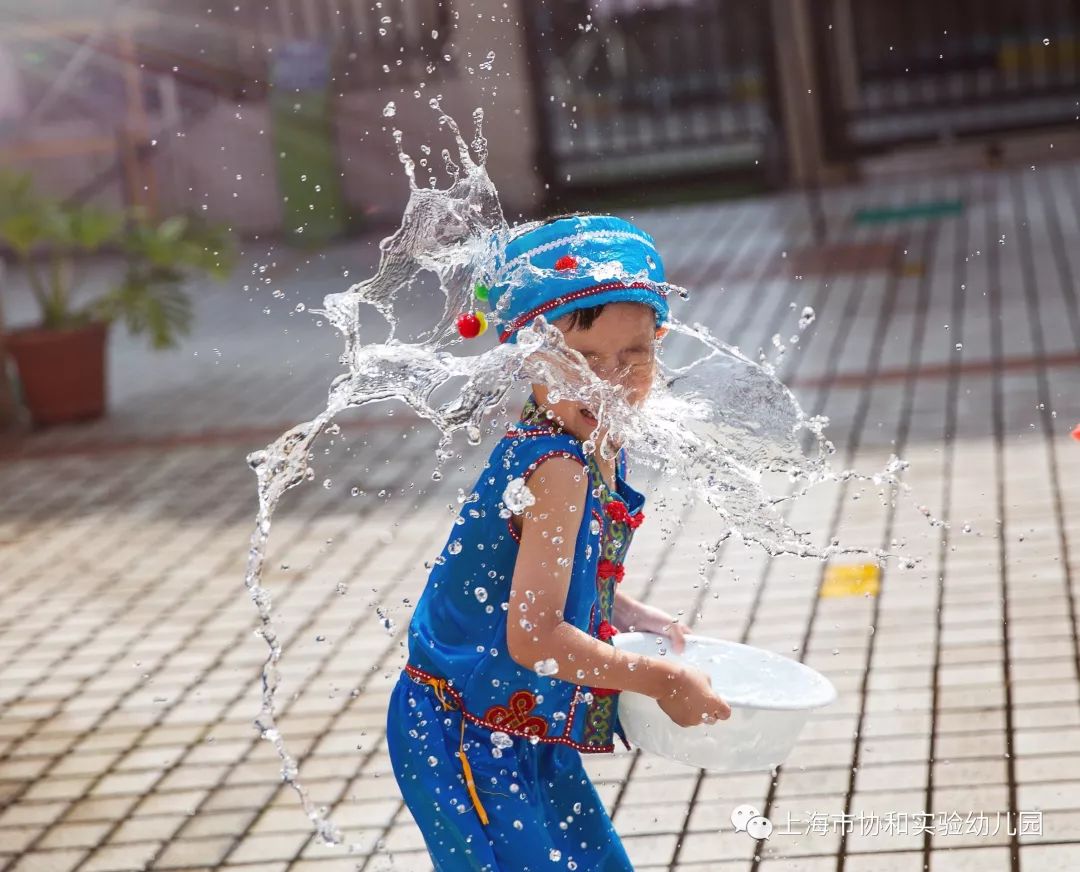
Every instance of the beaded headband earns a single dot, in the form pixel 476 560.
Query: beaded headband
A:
pixel 568 264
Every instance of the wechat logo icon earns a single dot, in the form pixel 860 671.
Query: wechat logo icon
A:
pixel 747 819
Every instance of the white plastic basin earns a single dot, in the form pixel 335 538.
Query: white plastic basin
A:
pixel 771 698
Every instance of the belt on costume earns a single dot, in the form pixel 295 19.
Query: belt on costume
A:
pixel 443 687
pixel 443 691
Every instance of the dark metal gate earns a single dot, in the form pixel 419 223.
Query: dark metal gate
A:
pixel 628 91
pixel 924 70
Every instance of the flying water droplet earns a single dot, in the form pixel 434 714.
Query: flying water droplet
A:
pixel 517 496
pixel 548 666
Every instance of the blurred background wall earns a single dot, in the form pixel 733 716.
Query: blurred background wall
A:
pixel 271 115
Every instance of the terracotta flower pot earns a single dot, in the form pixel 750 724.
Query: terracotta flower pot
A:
pixel 62 372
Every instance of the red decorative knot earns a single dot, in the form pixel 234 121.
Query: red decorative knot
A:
pixel 609 568
pixel 471 324
pixel 566 262
pixel 518 715
pixel 617 511
pixel 605 631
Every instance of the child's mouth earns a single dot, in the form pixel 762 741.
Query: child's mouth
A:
pixel 588 416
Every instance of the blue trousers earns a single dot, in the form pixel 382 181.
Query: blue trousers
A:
pixel 544 814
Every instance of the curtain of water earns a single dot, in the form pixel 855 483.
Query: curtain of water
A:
pixel 722 424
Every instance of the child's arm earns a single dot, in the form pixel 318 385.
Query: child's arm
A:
pixel 537 635
pixel 631 614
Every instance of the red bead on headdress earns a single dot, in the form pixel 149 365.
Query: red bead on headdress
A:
pixel 471 324
pixel 474 323
pixel 567 261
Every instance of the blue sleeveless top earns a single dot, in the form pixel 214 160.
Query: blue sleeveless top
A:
pixel 458 629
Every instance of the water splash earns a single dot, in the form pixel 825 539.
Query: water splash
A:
pixel 722 422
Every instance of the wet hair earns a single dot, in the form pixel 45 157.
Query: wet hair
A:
pixel 583 319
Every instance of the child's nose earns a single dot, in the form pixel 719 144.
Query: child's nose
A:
pixel 604 369
pixel 612 372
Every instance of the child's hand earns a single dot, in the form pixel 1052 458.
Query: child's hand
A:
pixel 692 701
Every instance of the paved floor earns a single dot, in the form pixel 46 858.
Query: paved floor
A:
pixel 128 666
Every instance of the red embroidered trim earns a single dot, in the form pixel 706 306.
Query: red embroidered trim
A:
pixel 516 715
pixel 617 511
pixel 602 691
pixel 609 568
pixel 513 433
pixel 413 672
pixel 553 453
pixel 566 298
pixel 529 471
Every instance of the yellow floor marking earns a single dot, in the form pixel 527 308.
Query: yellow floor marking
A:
pixel 851 579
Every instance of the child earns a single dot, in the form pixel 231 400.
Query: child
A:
pixel 511 671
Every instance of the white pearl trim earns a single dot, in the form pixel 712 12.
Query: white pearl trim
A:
pixel 581 236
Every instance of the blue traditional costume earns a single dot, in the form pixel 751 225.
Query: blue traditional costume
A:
pixel 487 752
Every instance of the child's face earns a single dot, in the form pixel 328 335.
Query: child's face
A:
pixel 620 348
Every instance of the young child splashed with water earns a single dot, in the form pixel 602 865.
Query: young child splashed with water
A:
pixel 512 673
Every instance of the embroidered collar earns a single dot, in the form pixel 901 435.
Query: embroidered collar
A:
pixel 533 416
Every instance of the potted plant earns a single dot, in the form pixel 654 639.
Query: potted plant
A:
pixel 61 360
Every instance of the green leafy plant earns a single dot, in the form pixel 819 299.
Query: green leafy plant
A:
pixel 47 235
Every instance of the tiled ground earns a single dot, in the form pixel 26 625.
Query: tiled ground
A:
pixel 128 666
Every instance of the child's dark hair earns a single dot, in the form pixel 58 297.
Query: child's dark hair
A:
pixel 582 319
pixel 579 319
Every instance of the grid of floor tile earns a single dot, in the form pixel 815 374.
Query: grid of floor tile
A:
pixel 128 663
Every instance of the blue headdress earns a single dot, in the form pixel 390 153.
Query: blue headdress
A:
pixel 573 263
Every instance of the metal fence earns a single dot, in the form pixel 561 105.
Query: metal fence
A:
pixel 625 91
pixel 924 70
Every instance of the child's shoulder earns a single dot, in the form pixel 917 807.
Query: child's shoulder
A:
pixel 523 447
